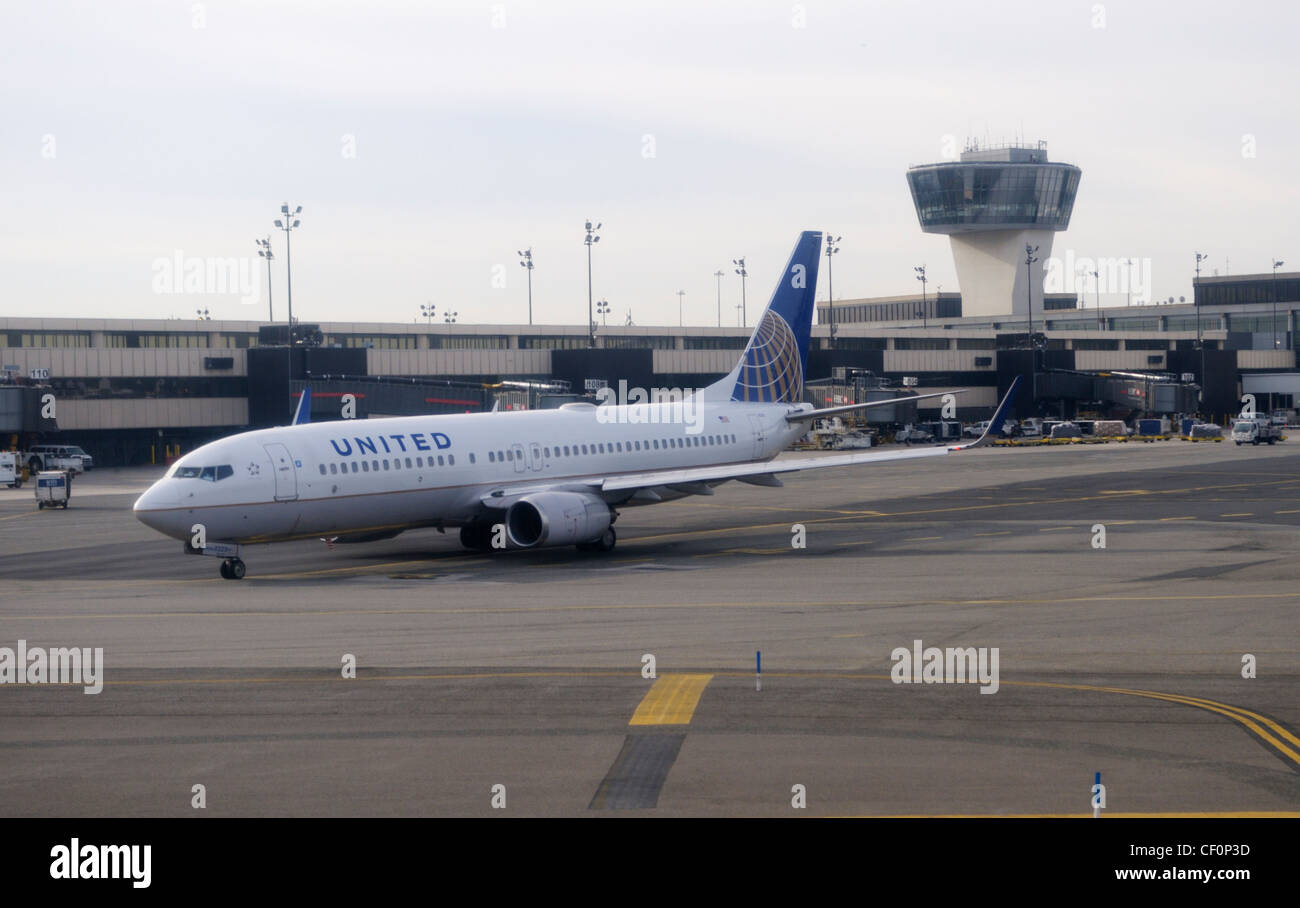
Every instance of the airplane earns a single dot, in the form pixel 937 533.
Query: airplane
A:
pixel 517 479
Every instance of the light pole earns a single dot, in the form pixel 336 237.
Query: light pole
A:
pixel 1196 300
pixel 740 269
pixel 264 250
pixel 920 276
pixel 526 260
pixel 681 322
pixel 288 223
pixel 428 310
pixel 591 240
pixel 203 315
pixel 831 249
pixel 602 309
pixel 718 275
pixel 1096 280
pixel 1276 265
pixel 450 317
pixel 1030 258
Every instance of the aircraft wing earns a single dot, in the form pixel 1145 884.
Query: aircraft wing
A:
pixel 696 480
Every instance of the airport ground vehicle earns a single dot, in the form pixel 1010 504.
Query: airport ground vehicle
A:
pixel 1255 430
pixel 53 489
pixel 58 457
pixel 11 469
pixel 1032 427
pixel 914 435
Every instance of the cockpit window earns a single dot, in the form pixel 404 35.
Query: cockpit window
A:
pixel 208 474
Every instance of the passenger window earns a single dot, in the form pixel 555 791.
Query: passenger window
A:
pixel 385 463
pixel 322 469
pixel 365 466
pixel 546 452
pixel 440 460
pixel 451 460
pixel 566 450
pixel 419 461
pixel 492 457
pixel 334 469
pixel 375 465
pixel 408 463
pixel 471 458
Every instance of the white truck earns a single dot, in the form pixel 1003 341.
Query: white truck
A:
pixel 11 469
pixel 1254 430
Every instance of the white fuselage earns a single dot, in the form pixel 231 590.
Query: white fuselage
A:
pixel 381 476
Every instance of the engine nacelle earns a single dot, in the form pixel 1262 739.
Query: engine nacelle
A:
pixel 556 518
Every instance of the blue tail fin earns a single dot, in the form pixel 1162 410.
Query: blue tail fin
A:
pixel 772 368
pixel 302 415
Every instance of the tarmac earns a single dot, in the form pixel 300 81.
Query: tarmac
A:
pixel 520 678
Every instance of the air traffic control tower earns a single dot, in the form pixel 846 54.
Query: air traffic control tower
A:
pixel 991 203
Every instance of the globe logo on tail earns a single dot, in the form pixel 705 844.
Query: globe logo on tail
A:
pixel 771 370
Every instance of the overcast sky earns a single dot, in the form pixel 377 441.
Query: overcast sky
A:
pixel 427 142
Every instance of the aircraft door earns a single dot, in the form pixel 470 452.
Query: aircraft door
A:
pixel 760 436
pixel 535 457
pixel 286 472
pixel 517 453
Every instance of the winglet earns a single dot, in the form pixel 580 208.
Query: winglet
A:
pixel 995 424
pixel 302 415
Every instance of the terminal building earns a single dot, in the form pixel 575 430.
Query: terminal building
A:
pixel 132 391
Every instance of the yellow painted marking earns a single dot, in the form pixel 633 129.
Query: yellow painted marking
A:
pixel 25 514
pixel 922 538
pixel 1163 519
pixel 1003 533
pixel 671 700
pixel 1053 529
pixel 846 636
pixel 1242 514
pixel 1292 511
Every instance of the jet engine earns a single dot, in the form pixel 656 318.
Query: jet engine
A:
pixel 557 518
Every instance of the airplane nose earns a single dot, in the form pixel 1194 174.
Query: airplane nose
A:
pixel 155 508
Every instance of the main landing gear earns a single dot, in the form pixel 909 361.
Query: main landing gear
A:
pixel 605 543
pixel 233 569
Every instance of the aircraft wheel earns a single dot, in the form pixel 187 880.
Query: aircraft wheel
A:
pixel 607 541
pixel 225 570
